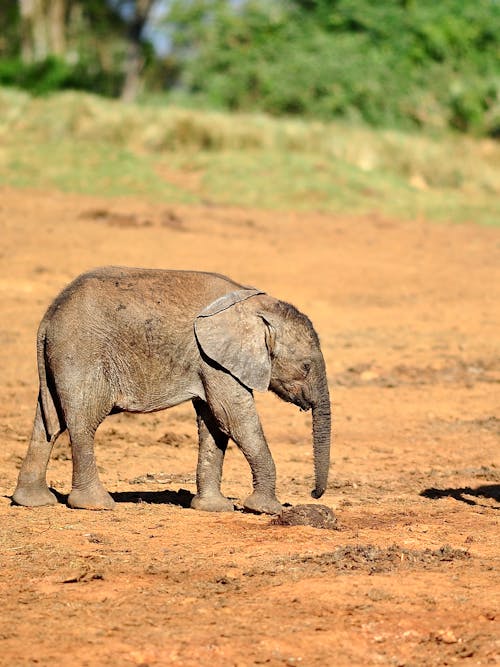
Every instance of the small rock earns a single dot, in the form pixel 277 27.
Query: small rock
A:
pixel 95 538
pixel 446 637
pixel 317 516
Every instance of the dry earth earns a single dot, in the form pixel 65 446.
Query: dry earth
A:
pixel 409 318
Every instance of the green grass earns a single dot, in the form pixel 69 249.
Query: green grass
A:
pixel 303 181
pixel 85 167
pixel 81 143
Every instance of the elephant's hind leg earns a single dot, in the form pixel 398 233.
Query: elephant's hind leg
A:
pixel 87 490
pixel 212 447
pixel 32 489
pixel 84 412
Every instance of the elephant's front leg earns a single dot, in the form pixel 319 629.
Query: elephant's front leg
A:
pixel 234 407
pixel 250 438
pixel 212 447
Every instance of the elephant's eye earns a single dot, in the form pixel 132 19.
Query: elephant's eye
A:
pixel 306 367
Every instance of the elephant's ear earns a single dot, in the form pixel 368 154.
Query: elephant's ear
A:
pixel 234 336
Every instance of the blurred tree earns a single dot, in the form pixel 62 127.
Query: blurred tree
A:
pixel 9 27
pixel 42 29
pixel 134 61
pixel 392 62
pixel 75 43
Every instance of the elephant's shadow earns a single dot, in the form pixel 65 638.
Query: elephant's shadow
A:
pixel 466 494
pixel 181 498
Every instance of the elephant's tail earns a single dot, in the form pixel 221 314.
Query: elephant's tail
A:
pixel 51 411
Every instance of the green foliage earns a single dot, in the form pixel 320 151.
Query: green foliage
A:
pixel 392 63
pixel 396 62
pixel 9 28
pixel 54 74
pixel 92 55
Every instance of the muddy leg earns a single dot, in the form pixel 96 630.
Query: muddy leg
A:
pixel 83 417
pixel 87 490
pixel 212 447
pixel 86 401
pixel 253 444
pixel 234 408
pixel 32 489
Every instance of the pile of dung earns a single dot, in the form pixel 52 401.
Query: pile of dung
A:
pixel 317 516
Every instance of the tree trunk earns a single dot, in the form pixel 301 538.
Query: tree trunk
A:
pixel 57 26
pixel 134 61
pixel 42 28
pixel 133 68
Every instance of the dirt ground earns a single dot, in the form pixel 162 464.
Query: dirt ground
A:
pixel 409 319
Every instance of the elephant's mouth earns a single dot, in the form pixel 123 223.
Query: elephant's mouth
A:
pixel 298 397
pixel 292 394
pixel 302 403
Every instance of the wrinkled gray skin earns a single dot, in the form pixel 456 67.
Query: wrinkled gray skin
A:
pixel 139 340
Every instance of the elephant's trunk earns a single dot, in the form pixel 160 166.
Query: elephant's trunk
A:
pixel 321 426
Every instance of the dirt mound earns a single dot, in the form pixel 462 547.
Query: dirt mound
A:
pixel 317 516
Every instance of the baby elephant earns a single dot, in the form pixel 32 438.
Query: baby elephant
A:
pixel 139 340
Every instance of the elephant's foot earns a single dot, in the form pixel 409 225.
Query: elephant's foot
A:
pixel 92 498
pixel 263 503
pixel 34 495
pixel 212 503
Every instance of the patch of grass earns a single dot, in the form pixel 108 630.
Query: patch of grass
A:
pixel 305 181
pixel 79 142
pixel 87 167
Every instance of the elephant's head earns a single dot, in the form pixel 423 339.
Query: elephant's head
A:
pixel 269 344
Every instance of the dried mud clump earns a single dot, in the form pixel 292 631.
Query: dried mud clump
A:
pixel 317 516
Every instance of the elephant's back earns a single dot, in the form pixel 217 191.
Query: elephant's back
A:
pixel 115 293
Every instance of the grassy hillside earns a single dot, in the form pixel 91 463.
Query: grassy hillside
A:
pixel 83 143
